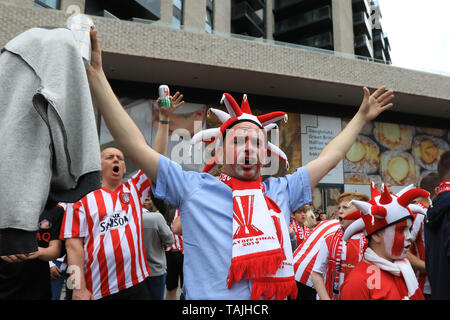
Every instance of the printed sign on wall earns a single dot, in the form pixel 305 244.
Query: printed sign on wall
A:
pixel 316 133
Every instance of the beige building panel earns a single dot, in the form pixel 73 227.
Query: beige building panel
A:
pixel 222 16
pixel 25 3
pixel 166 11
pixel 343 36
pixel 194 14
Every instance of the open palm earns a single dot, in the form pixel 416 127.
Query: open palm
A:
pixel 375 103
pixel 175 102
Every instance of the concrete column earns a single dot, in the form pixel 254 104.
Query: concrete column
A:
pixel 194 14
pixel 270 20
pixel 343 36
pixel 222 16
pixel 166 11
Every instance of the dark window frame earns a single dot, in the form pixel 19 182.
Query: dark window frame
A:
pixel 210 9
pixel 181 19
pixel 45 5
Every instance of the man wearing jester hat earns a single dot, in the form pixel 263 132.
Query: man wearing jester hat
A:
pixel 235 228
pixel 384 273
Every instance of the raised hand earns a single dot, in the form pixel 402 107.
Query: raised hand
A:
pixel 375 103
pixel 96 56
pixel 175 102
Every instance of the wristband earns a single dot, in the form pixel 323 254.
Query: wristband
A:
pixel 164 121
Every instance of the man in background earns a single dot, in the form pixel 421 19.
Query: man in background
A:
pixel 437 234
pixel 157 235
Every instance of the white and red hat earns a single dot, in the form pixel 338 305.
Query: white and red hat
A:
pixel 235 115
pixel 383 210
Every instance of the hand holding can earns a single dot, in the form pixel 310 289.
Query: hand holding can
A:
pixel 164 95
pixel 81 26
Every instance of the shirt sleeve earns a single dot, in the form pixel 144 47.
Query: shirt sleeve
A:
pixel 74 223
pixel 295 185
pixel 175 185
pixel 321 263
pixel 142 184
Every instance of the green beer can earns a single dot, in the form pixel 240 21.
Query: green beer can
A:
pixel 164 95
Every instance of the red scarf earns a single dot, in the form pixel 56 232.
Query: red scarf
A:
pixel 300 232
pixel 444 186
pixel 334 272
pixel 334 264
pixel 259 242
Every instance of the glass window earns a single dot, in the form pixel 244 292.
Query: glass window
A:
pixel 51 4
pixel 209 16
pixel 178 4
pixel 177 18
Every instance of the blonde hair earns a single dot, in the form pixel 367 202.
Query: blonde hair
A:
pixel 310 221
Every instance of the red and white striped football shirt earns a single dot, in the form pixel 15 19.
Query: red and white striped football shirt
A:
pixel 111 224
pixel 305 255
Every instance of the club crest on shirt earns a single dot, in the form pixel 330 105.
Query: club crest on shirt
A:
pixel 45 224
pixel 125 198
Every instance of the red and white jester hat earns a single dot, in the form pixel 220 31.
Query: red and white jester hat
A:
pixel 235 115
pixel 383 210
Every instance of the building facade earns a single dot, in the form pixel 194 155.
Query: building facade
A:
pixel 286 55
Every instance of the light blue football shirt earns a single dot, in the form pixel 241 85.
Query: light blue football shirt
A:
pixel 206 207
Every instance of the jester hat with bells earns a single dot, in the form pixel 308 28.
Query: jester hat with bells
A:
pixel 235 115
pixel 383 210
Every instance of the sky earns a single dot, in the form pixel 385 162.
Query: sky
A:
pixel 419 33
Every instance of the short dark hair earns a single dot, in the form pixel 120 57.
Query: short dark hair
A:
pixel 444 165
pixel 430 182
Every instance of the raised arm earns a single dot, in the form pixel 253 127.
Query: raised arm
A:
pixel 336 149
pixel 162 135
pixel 121 126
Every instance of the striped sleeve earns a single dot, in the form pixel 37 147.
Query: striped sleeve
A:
pixel 74 222
pixel 306 254
pixel 142 184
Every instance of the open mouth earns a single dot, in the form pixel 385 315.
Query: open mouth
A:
pixel 116 169
pixel 250 160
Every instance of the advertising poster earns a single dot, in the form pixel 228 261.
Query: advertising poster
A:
pixel 396 154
